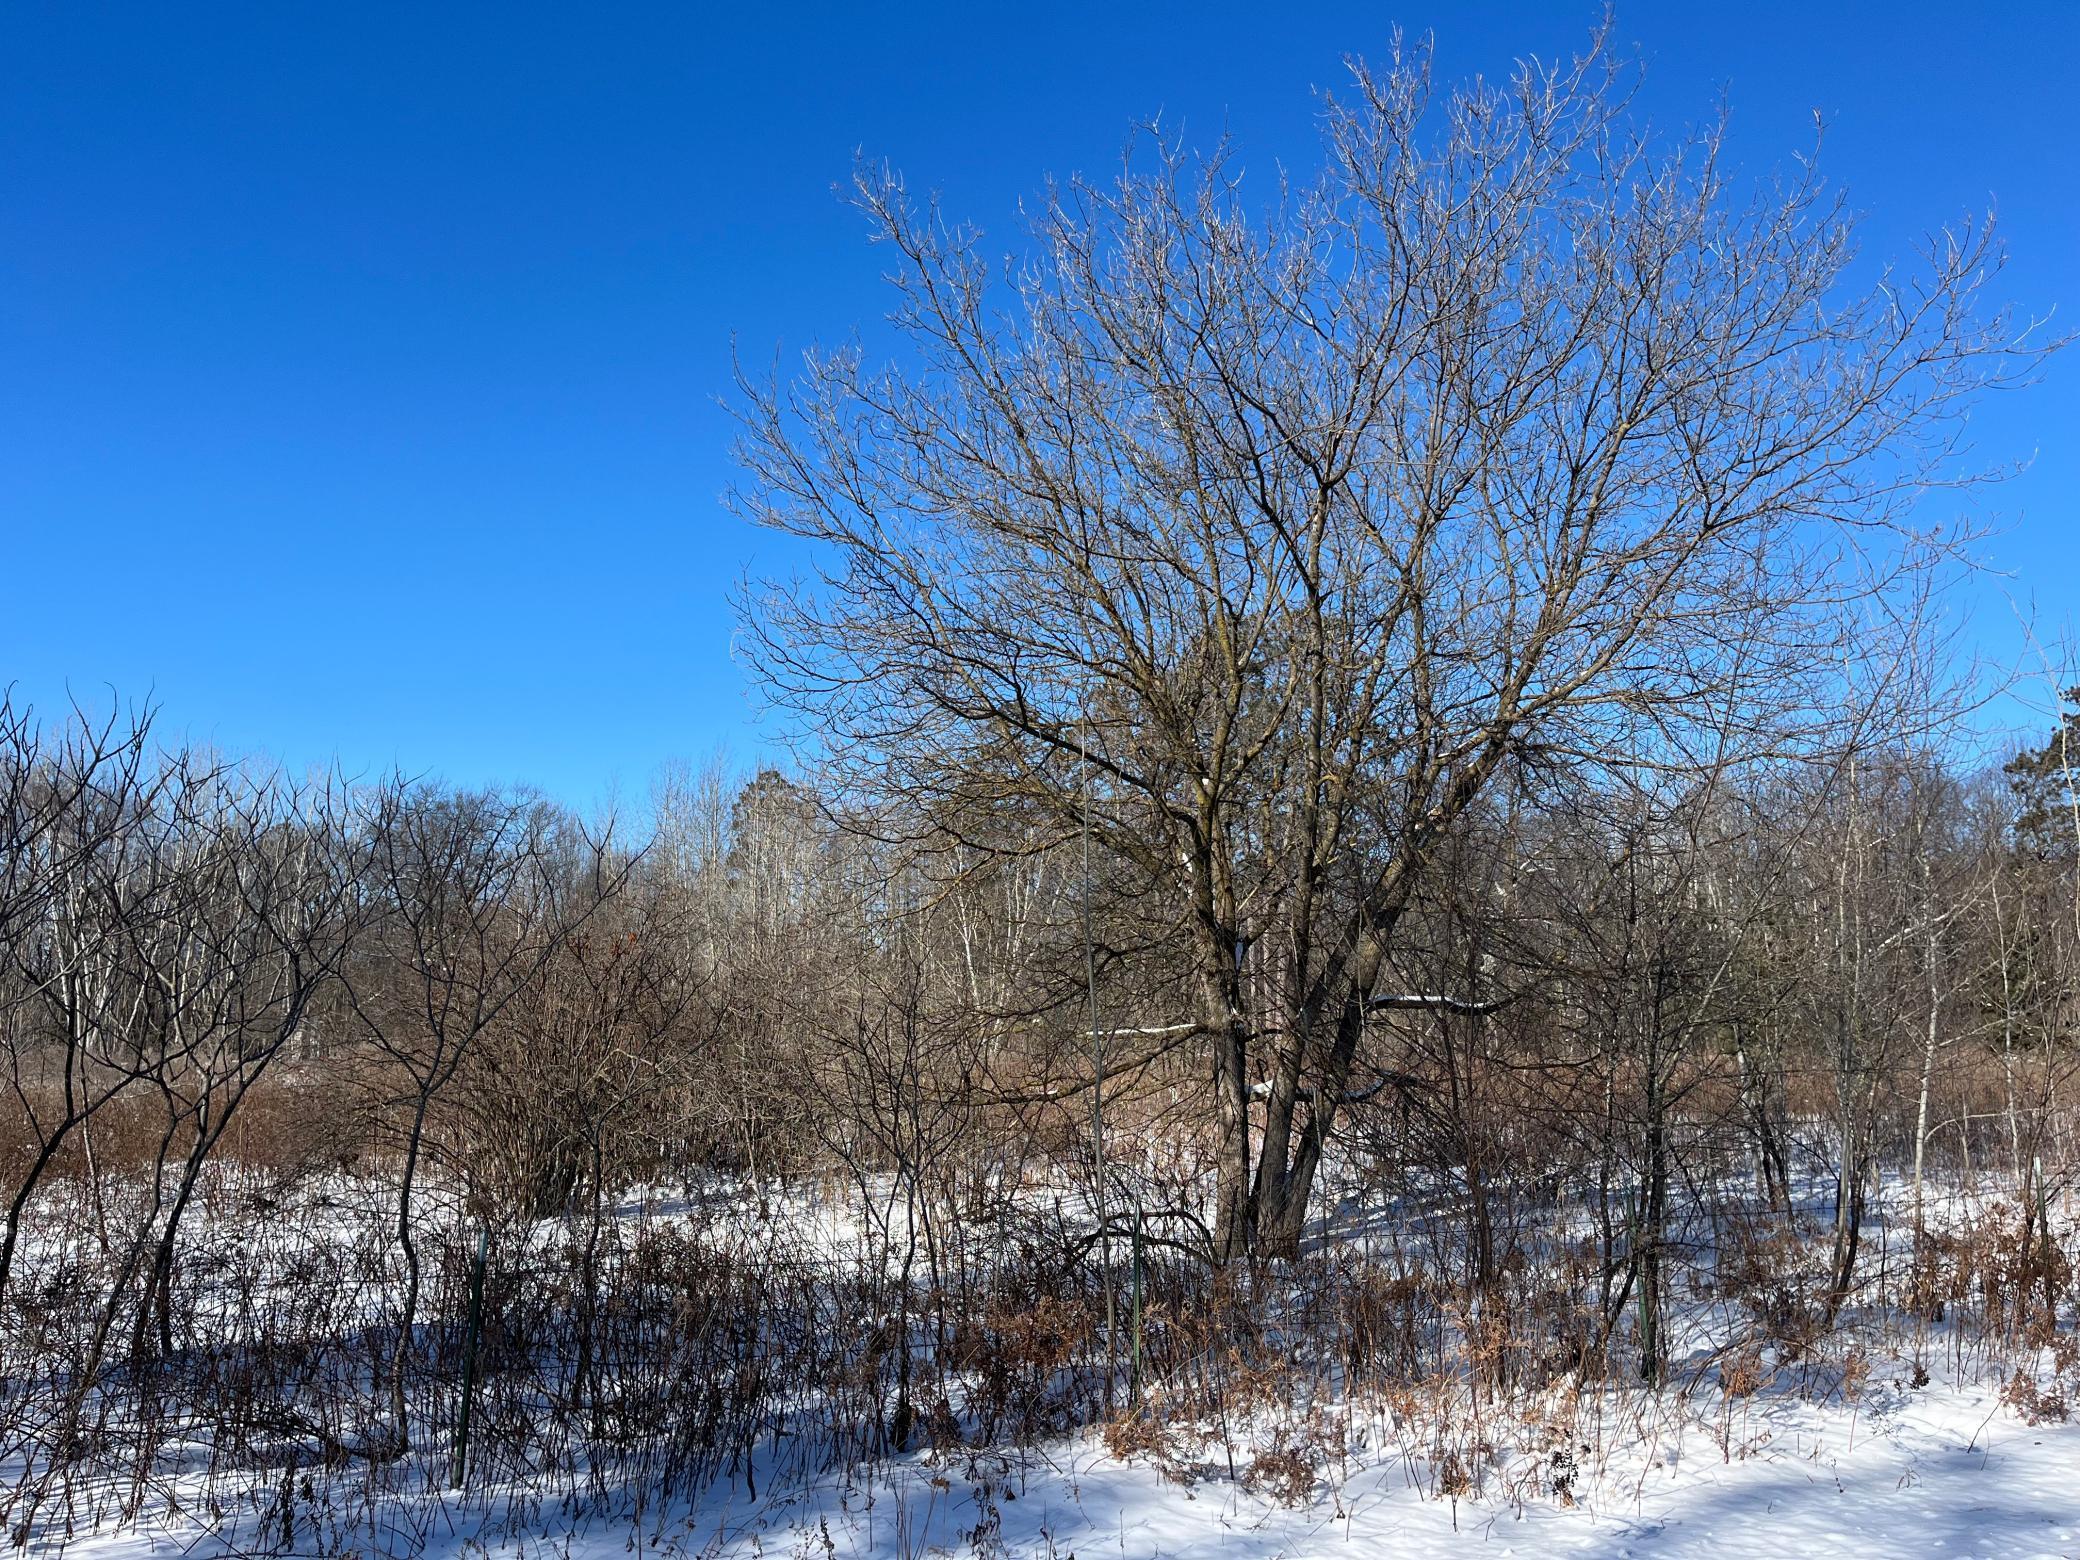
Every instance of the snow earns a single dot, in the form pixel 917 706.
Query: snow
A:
pixel 1941 1474
pixel 1806 1465
pixel 1942 1470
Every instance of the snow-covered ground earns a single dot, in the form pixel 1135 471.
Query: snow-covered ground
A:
pixel 1933 1472
pixel 1840 1453
pixel 1944 1470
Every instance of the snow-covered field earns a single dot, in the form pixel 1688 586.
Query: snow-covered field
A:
pixel 1851 1450
pixel 1935 1472
pixel 1942 1470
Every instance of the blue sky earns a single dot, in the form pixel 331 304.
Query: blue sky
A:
pixel 358 363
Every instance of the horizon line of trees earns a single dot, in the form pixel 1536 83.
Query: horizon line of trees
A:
pixel 1826 968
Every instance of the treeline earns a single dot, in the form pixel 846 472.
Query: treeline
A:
pixel 275 1051
pixel 1813 976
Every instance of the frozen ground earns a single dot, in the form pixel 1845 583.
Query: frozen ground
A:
pixel 1797 1468
pixel 1931 1477
pixel 1943 1470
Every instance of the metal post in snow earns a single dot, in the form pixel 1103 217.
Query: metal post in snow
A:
pixel 469 1357
pixel 1134 1387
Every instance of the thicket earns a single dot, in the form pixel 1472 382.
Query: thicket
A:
pixel 783 1145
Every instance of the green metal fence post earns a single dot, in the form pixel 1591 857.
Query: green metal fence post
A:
pixel 469 1358
pixel 1135 1388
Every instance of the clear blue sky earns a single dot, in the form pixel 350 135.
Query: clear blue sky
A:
pixel 357 362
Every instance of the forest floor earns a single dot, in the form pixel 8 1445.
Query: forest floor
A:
pixel 1862 1465
pixel 1903 1442
pixel 1945 1469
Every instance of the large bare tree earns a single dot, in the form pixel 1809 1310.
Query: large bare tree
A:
pixel 1514 433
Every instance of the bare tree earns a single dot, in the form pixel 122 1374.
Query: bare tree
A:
pixel 1515 435
pixel 471 904
pixel 68 801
